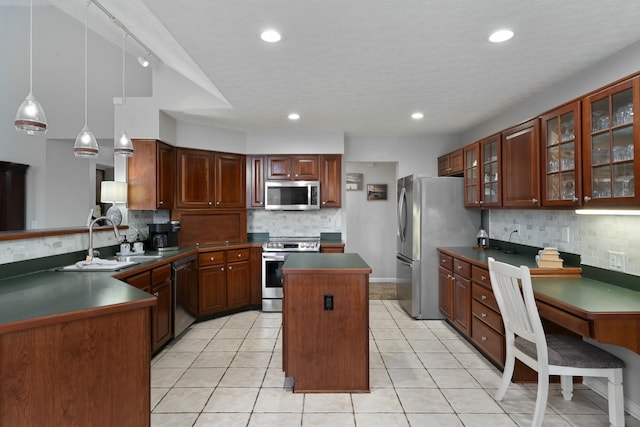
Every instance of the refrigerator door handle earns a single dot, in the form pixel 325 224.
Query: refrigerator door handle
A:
pixel 404 261
pixel 402 215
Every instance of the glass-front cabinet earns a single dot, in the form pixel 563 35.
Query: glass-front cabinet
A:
pixel 611 132
pixel 482 181
pixel 560 157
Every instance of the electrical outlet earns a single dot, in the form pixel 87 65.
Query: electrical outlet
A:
pixel 617 261
pixel 565 234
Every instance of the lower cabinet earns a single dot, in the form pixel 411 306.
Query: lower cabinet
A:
pixel 455 292
pixel 157 282
pixel 487 329
pixel 332 248
pixel 224 280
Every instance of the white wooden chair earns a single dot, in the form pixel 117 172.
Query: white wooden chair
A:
pixel 562 355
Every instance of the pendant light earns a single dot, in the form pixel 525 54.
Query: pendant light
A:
pixel 30 118
pixel 86 145
pixel 122 145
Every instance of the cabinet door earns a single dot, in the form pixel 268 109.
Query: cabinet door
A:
pixel 212 286
pixel 443 165
pixel 12 196
pixel 520 163
pixel 305 168
pixel 279 168
pixel 610 146
pixel 166 176
pixel 255 182
pixel 230 180
pixel 161 318
pixel 238 280
pixel 195 178
pixel 331 181
pixel 456 165
pixel 141 281
pixel 560 157
pixel 462 303
pixel 445 291
pixel 490 159
pixel 471 183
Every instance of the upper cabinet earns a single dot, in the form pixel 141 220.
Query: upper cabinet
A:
pixel 451 164
pixel 255 181
pixel 560 155
pixel 610 143
pixel 330 180
pixel 482 173
pixel 208 179
pixel 151 175
pixel 296 168
pixel 520 165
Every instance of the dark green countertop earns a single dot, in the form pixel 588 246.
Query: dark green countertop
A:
pixel 324 261
pixel 482 256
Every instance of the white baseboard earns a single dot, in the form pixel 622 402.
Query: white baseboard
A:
pixel 382 280
pixel 600 387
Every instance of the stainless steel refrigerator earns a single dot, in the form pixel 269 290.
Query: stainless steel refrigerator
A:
pixel 431 213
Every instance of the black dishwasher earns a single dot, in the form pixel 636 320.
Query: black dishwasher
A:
pixel 184 275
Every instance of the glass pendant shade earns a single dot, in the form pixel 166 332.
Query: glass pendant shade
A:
pixel 30 118
pixel 123 146
pixel 86 145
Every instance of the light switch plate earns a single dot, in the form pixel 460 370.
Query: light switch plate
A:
pixel 565 234
pixel 617 261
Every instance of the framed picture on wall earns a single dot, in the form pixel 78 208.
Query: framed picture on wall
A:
pixel 376 191
pixel 354 181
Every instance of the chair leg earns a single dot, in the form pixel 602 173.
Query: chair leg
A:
pixel 566 383
pixel 616 398
pixel 507 374
pixel 541 399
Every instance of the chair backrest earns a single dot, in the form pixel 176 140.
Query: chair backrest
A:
pixel 514 294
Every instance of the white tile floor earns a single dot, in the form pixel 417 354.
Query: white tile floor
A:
pixel 227 372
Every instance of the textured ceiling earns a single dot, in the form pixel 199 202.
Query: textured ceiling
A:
pixel 363 66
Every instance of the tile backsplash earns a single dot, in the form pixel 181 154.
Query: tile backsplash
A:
pixel 591 236
pixel 293 223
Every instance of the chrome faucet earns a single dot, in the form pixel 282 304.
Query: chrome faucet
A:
pixel 90 251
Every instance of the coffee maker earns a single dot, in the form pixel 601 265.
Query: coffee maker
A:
pixel 164 237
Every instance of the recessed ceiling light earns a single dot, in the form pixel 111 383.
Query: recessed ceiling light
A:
pixel 294 116
pixel 417 116
pixel 271 36
pixel 500 36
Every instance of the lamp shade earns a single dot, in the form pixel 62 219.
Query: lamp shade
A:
pixel 113 192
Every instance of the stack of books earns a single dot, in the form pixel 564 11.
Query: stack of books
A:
pixel 549 258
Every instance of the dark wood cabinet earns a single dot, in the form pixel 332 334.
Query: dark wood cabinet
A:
pixel 157 282
pixel 483 173
pixel 208 179
pixel 225 278
pixel 560 154
pixel 461 303
pixel 520 165
pixel 151 175
pixel 487 327
pixel 332 248
pixel 611 131
pixel 293 167
pixel 445 292
pixel 255 181
pixel 12 196
pixel 451 164
pixel 331 180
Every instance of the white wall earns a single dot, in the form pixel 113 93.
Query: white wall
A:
pixel 210 138
pixel 371 225
pixel 295 142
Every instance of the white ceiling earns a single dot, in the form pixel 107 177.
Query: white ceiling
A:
pixel 363 66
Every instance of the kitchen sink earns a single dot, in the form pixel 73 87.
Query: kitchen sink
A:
pixel 112 265
pixel 137 258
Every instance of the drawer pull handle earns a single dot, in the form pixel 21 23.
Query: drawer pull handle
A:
pixel 239 255
pixel 155 294
pixel 483 315
pixel 230 268
pixel 221 268
pixel 483 277
pixel 212 258
pixel 459 267
pixel 483 297
pixel 483 338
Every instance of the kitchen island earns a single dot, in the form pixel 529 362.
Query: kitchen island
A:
pixel 325 322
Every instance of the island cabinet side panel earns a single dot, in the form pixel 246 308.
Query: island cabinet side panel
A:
pixel 327 342
pixel 88 372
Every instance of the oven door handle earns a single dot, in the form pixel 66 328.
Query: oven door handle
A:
pixel 274 258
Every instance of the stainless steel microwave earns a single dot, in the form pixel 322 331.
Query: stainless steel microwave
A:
pixel 292 195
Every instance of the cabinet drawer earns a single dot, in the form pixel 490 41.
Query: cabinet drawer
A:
pixel 234 255
pixel 485 296
pixel 566 320
pixel 488 316
pixel 140 281
pixel 446 261
pixel 490 341
pixel 210 258
pixel 480 275
pixel 161 274
pixel 462 268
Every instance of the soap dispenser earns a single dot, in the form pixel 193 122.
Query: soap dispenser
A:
pixel 483 238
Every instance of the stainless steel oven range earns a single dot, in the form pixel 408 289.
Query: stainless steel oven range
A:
pixel 274 253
